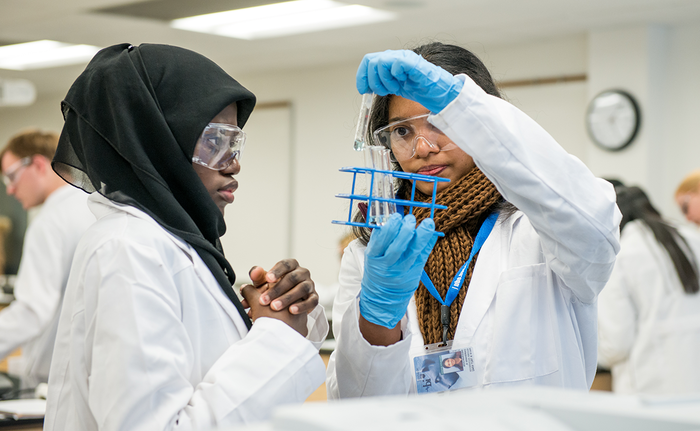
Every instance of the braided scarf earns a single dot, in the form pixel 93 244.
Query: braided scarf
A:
pixel 468 200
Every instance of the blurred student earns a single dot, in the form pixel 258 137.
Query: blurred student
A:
pixel 31 319
pixel 649 324
pixel 688 197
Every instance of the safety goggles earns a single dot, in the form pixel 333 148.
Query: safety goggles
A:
pixel 403 136
pixel 219 145
pixel 13 172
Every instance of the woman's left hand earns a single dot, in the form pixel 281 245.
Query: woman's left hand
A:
pixel 408 75
pixel 286 285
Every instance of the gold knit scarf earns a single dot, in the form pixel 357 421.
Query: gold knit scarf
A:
pixel 469 201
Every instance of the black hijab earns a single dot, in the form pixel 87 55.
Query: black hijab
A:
pixel 132 120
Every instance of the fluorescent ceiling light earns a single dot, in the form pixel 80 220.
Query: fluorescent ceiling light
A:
pixel 281 19
pixel 43 54
pixel 16 92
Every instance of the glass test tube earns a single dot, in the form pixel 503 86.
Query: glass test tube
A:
pixel 380 185
pixel 363 121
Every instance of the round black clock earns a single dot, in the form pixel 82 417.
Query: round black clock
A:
pixel 613 119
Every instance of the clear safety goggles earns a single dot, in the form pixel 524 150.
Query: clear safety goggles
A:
pixel 403 136
pixel 13 172
pixel 219 145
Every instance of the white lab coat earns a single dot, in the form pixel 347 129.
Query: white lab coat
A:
pixel 31 319
pixel 649 328
pixel 530 311
pixel 149 341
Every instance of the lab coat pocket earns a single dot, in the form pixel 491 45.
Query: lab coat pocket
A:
pixel 522 343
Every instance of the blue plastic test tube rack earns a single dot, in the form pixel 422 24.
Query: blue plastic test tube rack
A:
pixel 399 202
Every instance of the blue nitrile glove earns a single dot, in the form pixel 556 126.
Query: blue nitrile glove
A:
pixel 394 261
pixel 410 76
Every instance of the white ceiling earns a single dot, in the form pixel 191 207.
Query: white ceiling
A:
pixel 487 22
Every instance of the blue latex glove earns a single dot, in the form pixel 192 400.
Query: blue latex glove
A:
pixel 410 76
pixel 394 261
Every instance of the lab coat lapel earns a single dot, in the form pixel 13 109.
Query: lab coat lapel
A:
pixel 208 280
pixel 101 206
pixel 482 286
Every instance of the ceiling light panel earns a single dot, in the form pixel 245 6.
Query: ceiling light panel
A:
pixel 168 10
pixel 282 19
pixel 43 54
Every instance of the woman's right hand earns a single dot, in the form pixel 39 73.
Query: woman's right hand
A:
pixel 394 261
pixel 251 294
pixel 408 75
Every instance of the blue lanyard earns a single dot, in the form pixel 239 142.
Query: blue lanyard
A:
pixel 458 280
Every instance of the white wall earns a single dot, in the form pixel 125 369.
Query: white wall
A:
pixel 630 59
pixel 324 109
pixel 44 113
pixel 682 111
pixel 324 105
pixel 559 108
pixel 658 65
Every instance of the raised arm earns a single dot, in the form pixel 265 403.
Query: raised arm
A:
pixel 573 212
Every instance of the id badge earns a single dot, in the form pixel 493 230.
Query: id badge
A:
pixel 443 367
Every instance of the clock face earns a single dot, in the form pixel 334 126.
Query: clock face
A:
pixel 613 119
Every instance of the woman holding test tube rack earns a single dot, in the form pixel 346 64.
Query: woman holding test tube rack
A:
pixel 530 240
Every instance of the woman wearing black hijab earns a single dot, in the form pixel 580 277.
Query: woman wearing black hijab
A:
pixel 152 335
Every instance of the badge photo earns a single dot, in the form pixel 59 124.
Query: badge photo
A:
pixel 444 368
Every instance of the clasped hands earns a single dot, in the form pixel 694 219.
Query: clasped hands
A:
pixel 286 293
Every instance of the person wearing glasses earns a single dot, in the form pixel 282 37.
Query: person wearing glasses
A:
pixel 530 238
pixel 688 197
pixel 648 320
pixel 30 321
pixel 152 335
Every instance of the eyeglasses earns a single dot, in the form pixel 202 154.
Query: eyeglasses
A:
pixel 14 172
pixel 402 137
pixel 219 145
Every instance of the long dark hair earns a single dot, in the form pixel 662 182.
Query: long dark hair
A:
pixel 455 60
pixel 635 205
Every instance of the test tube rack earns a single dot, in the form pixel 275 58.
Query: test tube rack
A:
pixel 400 203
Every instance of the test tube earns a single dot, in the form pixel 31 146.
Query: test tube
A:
pixel 363 121
pixel 380 185
pixel 388 208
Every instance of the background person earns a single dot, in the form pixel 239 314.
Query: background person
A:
pixel 648 321
pixel 688 197
pixel 50 240
pixel 152 336
pixel 528 302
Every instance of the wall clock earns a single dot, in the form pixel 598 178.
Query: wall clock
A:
pixel 613 119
